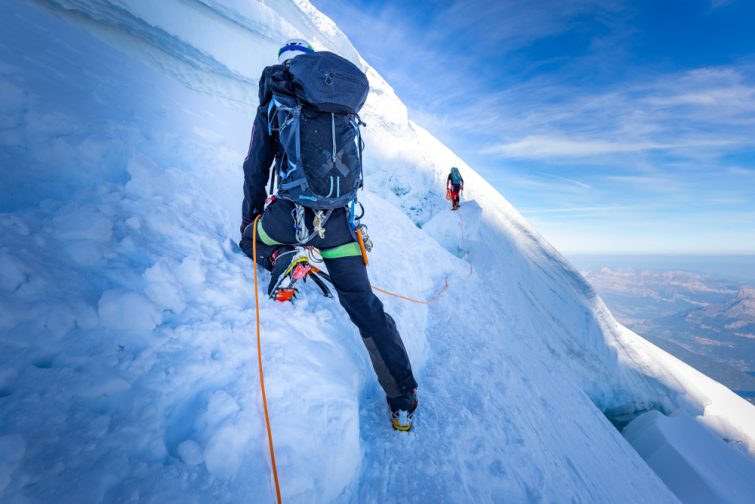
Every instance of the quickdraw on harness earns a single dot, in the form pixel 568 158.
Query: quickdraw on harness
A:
pixel 359 230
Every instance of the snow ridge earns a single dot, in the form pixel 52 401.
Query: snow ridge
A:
pixel 128 361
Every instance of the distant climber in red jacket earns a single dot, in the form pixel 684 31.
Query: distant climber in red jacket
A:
pixel 454 186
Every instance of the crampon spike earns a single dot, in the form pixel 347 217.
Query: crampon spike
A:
pixel 285 294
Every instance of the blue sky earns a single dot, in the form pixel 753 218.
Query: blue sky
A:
pixel 613 126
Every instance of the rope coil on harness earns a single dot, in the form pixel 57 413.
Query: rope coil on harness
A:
pixel 318 223
pixel 259 361
pixel 303 235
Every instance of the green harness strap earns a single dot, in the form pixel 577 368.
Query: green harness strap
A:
pixel 266 237
pixel 350 249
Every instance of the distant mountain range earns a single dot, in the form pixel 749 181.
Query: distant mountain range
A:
pixel 708 322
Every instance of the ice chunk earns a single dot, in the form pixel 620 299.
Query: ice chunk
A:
pixel 12 272
pixel 220 407
pixel 163 288
pixel 225 451
pixel 190 272
pixel 190 453
pixel 82 224
pixel 12 450
pixel 128 310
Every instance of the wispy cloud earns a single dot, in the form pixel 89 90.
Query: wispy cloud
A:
pixel 431 52
pixel 546 183
pixel 546 147
pixel 434 55
pixel 716 4
pixel 654 183
pixel 705 110
pixel 591 211
pixel 568 180
pixel 541 147
pixel 514 23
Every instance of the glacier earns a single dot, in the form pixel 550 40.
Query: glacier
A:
pixel 127 317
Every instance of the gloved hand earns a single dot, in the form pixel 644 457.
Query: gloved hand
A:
pixel 245 221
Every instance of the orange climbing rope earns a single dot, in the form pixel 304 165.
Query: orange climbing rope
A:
pixel 445 281
pixel 259 360
pixel 431 301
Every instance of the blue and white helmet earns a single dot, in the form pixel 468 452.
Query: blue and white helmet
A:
pixel 292 48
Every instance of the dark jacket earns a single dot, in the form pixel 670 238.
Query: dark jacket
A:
pixel 264 149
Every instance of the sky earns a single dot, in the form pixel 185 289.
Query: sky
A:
pixel 613 126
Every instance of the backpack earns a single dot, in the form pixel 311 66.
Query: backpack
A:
pixel 314 109
pixel 455 176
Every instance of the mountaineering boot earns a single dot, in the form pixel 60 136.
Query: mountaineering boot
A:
pixel 289 266
pixel 402 410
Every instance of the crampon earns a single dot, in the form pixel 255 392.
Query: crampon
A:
pixel 286 288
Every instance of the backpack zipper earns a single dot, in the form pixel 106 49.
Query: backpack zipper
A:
pixel 333 131
pixel 346 77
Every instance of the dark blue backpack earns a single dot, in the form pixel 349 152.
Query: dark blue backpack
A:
pixel 314 110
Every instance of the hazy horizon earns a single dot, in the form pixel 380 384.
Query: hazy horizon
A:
pixel 739 267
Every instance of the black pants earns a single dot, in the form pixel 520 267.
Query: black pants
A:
pixel 349 276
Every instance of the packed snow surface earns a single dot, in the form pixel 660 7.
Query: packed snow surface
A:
pixel 127 345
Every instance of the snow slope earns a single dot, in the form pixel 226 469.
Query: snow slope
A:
pixel 128 362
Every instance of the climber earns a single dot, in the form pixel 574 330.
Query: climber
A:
pixel 310 133
pixel 454 186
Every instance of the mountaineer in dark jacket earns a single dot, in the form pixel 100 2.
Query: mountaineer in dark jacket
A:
pixel 280 251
